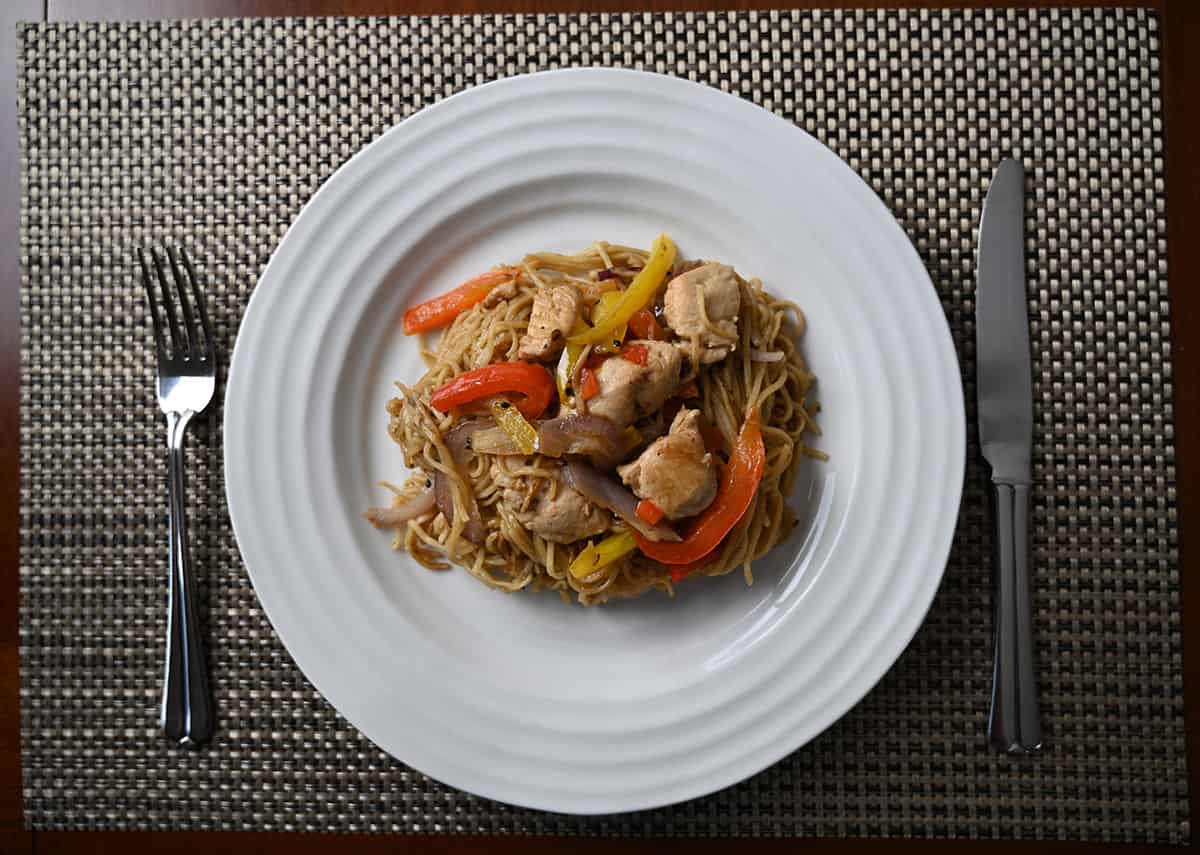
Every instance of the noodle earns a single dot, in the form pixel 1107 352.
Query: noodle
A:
pixel 510 556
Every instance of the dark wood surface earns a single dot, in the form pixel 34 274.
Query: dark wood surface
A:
pixel 1181 75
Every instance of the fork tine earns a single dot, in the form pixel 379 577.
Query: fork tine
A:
pixel 185 300
pixel 172 321
pixel 198 297
pixel 155 322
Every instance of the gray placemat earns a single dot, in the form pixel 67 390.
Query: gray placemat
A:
pixel 216 132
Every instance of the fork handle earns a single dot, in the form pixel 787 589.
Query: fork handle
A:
pixel 187 707
pixel 1014 725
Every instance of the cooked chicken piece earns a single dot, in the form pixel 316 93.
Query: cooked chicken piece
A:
pixel 682 267
pixel 504 291
pixel 663 365
pixel 620 381
pixel 629 390
pixel 554 312
pixel 710 291
pixel 675 472
pixel 565 518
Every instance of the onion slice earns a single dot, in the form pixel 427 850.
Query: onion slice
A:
pixel 606 492
pixel 457 441
pixel 398 515
pixel 493 440
pixel 590 436
pixel 593 436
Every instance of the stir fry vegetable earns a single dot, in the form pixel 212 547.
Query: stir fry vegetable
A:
pixel 600 314
pixel 566 364
pixel 589 386
pixel 594 436
pixel 595 556
pixel 531 382
pixel 643 324
pixel 650 512
pixel 521 432
pixel 734 496
pixel 635 353
pixel 589 378
pixel 640 292
pixel 441 311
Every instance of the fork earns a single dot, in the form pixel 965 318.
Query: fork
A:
pixel 186 380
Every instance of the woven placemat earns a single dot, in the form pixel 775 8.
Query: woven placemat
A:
pixel 216 132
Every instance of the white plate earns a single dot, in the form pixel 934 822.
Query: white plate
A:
pixel 523 698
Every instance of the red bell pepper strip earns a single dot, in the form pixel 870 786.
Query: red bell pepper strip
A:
pixel 589 386
pixel 589 381
pixel 714 440
pixel 643 324
pixel 636 353
pixel 734 496
pixel 679 572
pixel 650 512
pixel 531 382
pixel 440 311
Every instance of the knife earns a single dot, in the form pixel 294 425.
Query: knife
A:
pixel 1005 395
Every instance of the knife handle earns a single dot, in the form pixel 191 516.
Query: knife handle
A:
pixel 1014 725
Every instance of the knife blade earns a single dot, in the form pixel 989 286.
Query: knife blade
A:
pixel 1005 401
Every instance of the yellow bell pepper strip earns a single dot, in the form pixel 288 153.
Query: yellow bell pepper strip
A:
pixel 640 292
pixel 440 311
pixel 566 363
pixel 606 305
pixel 520 431
pixel 596 556
pixel 734 495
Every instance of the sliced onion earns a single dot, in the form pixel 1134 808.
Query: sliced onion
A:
pixel 398 515
pixel 766 356
pixel 493 440
pixel 593 436
pixel 608 493
pixel 457 440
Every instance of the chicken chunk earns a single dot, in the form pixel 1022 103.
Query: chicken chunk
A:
pixel 664 363
pixel 617 400
pixel 554 312
pixel 709 292
pixel 629 390
pixel 504 291
pixel 564 518
pixel 675 472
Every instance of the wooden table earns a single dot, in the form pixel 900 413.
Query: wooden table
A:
pixel 1181 72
